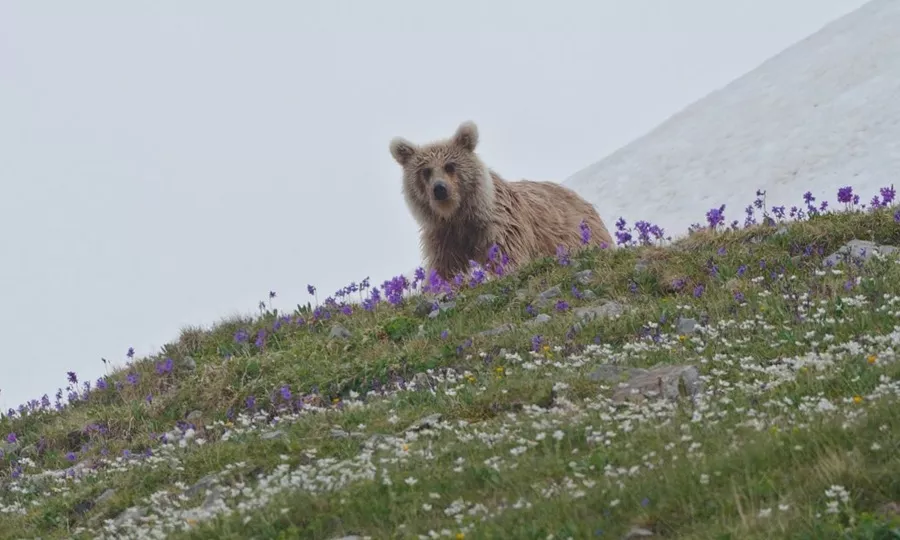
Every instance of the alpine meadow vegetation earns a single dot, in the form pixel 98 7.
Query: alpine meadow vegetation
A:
pixel 739 382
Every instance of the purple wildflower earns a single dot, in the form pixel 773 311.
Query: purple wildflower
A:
pixel 72 378
pixel 285 392
pixel 845 194
pixel 562 305
pixel 698 291
pixel 250 402
pixel 585 232
pixel 536 342
pixel 562 255
pixel 888 194
pixel 716 216
pixel 241 336
pixel 130 353
pixel 11 438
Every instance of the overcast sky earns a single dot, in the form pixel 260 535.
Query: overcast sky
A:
pixel 167 164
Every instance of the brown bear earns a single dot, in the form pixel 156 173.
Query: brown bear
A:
pixel 463 207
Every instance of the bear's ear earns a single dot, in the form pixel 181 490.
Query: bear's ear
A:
pixel 466 136
pixel 402 150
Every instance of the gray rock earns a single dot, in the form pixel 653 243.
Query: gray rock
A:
pixel 859 250
pixel 614 374
pixel 421 380
pixel 201 485
pixel 540 319
pixel 424 306
pixel 269 435
pixel 338 331
pixel 589 295
pixel 546 298
pixel 213 496
pixel 337 433
pixel 552 292
pixel 685 326
pixel 609 309
pixel 129 515
pixel 584 277
pixel 522 295
pixel 189 363
pixel 498 330
pixel 425 423
pixel 106 495
pixel 194 416
pixel 637 532
pixel 83 506
pixel 668 382
pixel 641 265
pixel 486 299
pixel 442 307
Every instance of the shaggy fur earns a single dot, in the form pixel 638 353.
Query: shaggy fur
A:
pixel 462 207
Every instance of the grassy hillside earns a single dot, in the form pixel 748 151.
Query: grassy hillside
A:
pixel 737 384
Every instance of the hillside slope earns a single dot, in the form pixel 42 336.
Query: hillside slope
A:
pixel 822 114
pixel 737 384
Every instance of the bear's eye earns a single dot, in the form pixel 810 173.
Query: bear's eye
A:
pixel 426 173
pixel 449 168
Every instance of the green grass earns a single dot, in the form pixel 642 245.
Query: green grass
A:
pixel 800 394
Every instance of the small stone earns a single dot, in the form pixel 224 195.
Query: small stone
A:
pixel 194 417
pixel 189 363
pixel 685 326
pixel 552 292
pixel 589 295
pixel 106 495
pixel 338 331
pixel 641 265
pixel 339 434
pixel 857 249
pixel 584 277
pixel 269 435
pixel 421 380
pixel 545 298
pixel 423 307
pixel 497 331
pixel 614 374
pixel 781 231
pixel 442 307
pixel 609 309
pixel 129 515
pixel 428 422
pixel 637 532
pixel 541 318
pixel 83 507
pixel 522 295
pixel 661 382
pixel 486 299
pixel 201 485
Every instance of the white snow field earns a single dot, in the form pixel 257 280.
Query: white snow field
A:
pixel 822 114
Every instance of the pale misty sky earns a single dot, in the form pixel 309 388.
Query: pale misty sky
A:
pixel 167 164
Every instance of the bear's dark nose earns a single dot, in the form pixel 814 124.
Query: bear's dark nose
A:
pixel 440 191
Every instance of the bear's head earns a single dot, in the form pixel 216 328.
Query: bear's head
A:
pixel 444 178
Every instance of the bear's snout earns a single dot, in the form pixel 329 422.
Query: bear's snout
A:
pixel 440 191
